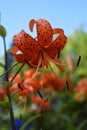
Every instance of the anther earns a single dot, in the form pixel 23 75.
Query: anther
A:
pixel 40 94
pixel 19 85
pixel 58 53
pixel 67 85
pixel 78 62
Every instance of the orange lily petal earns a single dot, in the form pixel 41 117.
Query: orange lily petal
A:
pixel 31 24
pixel 13 87
pixel 28 73
pixel 52 51
pixel 23 92
pixel 35 62
pixel 18 57
pixel 17 78
pixel 27 45
pixel 23 41
pixel 52 81
pixel 58 31
pixel 44 32
pixel 61 40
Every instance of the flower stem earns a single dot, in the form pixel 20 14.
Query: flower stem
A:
pixel 18 72
pixel 9 96
pixel 6 62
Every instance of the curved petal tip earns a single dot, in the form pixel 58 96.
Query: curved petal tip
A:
pixel 31 24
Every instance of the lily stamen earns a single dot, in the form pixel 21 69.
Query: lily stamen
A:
pixel 78 62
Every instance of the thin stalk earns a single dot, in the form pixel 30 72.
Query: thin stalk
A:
pixel 9 70
pixel 18 72
pixel 9 96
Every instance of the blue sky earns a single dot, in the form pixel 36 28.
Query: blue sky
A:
pixel 66 14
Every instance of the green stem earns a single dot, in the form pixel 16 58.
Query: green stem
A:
pixel 9 96
pixel 6 62
pixel 18 72
pixel 30 120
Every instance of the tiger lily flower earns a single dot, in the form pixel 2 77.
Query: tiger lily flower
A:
pixel 26 85
pixel 39 51
pixel 52 81
pixel 81 90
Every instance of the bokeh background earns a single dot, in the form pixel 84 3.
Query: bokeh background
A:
pixel 69 108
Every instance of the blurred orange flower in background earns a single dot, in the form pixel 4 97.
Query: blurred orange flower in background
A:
pixel 40 102
pixel 70 62
pixel 17 80
pixel 52 81
pixel 81 90
pixel 28 85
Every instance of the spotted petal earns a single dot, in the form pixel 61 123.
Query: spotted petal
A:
pixel 31 24
pixel 19 57
pixel 61 40
pixel 52 51
pixel 27 45
pixel 44 32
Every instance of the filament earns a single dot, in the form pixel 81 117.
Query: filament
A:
pixel 38 66
pixel 67 84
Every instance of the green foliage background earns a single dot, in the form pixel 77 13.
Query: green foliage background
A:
pixel 66 113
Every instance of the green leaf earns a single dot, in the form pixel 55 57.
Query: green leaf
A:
pixel 9 83
pixel 5 103
pixel 2 65
pixel 70 126
pixel 5 98
pixel 28 121
pixel 81 125
pixel 2 104
pixel 2 31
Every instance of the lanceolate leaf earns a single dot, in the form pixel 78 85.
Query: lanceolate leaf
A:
pixel 29 121
pixel 2 104
pixel 2 31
